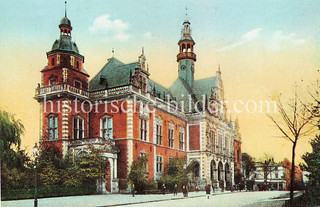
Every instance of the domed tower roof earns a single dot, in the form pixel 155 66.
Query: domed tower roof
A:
pixel 65 22
pixel 65 44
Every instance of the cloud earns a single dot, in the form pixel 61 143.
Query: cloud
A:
pixel 115 29
pixel 246 37
pixel 279 38
pixel 148 35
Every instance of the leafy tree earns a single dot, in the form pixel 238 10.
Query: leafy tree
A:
pixel 175 174
pixel 92 166
pixel 11 130
pixel 312 160
pixel 137 174
pixel 248 164
pixel 14 161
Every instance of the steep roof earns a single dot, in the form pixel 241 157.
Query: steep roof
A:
pixel 113 74
pixel 116 74
pixel 158 89
pixel 204 86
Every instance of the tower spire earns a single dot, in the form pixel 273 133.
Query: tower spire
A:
pixel 186 12
pixel 65 9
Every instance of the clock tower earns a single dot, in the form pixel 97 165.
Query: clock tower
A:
pixel 186 57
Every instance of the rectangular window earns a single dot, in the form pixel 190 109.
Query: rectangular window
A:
pixel 72 60
pixel 159 135
pixel 77 84
pixel 53 128
pixel 181 140
pixel 106 130
pixel 212 134
pixel 159 164
pixel 78 128
pixel 143 129
pixel 171 140
pixel 143 154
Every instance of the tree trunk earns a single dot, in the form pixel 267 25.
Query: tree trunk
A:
pixel 292 171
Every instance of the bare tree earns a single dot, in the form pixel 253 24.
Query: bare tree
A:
pixel 295 122
pixel 268 165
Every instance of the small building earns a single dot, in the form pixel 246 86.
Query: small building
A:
pixel 275 179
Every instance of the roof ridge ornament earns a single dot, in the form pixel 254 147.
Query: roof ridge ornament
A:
pixel 142 60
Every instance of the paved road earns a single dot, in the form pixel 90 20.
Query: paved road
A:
pixel 195 199
pixel 224 200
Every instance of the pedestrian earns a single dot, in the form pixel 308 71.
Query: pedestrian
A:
pixel 187 191
pixel 164 189
pixel 184 191
pixel 208 189
pixel 175 191
pixel 132 190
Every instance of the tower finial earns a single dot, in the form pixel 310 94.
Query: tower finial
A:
pixel 65 9
pixel 112 52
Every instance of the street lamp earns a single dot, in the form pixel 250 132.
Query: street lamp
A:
pixel 35 154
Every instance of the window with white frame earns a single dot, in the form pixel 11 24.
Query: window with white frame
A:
pixel 158 130
pixel 159 164
pixel 78 128
pixel 106 127
pixel 170 134
pixel 143 129
pixel 53 128
pixel 181 138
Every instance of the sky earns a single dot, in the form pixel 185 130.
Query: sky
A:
pixel 263 48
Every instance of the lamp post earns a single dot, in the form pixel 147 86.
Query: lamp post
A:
pixel 35 154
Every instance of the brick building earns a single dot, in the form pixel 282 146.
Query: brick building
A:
pixel 127 115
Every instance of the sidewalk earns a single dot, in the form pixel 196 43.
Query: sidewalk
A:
pixel 102 200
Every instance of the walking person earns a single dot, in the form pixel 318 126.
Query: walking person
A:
pixel 208 190
pixel 184 191
pixel 132 190
pixel 175 191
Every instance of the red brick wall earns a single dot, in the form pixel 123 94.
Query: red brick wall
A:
pixel 194 137
pixel 119 119
pixel 122 158
pixel 140 146
pixel 237 164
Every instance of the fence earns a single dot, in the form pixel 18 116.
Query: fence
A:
pixel 47 192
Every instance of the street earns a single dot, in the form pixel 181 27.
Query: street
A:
pixel 195 199
pixel 263 198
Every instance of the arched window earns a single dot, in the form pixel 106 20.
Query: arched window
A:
pixel 170 134
pixel 159 130
pixel 77 64
pixel 78 128
pixel 181 138
pixel 188 48
pixel 52 61
pixel 65 31
pixel 106 127
pixel 183 48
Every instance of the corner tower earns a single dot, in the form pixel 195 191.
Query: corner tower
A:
pixel 186 56
pixel 62 92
